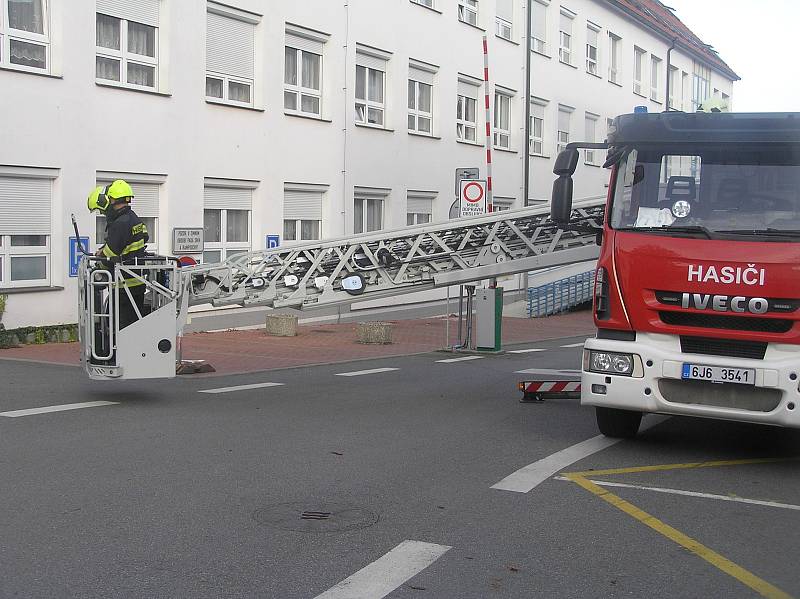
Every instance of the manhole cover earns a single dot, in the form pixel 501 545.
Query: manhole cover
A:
pixel 315 517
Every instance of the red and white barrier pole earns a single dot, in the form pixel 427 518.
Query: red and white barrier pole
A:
pixel 487 106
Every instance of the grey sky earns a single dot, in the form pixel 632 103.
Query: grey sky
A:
pixel 757 38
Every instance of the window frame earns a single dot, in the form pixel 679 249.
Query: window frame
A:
pixel 537 44
pixel 565 49
pixel 366 199
pixel 415 112
pixel 497 132
pixel 9 252
pixel 224 247
pixel 226 82
pixel 298 88
pixel 562 137
pixel 638 70
pixel 298 228
pixel 366 103
pixel 501 23
pixel 463 123
pixel 124 56
pixel 534 139
pixel 596 60
pixel 655 76
pixel 613 57
pixel 589 154
pixel 469 7
pixel 9 34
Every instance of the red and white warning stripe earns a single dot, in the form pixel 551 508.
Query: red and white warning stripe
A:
pixel 550 386
pixel 489 195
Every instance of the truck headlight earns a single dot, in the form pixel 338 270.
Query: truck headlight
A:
pixel 610 363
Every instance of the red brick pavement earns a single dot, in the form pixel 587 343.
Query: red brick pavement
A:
pixel 233 352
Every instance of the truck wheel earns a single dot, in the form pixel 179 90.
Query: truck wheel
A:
pixel 618 423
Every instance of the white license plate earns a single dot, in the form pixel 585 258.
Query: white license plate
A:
pixel 719 374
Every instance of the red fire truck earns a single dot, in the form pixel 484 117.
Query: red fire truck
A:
pixel 697 290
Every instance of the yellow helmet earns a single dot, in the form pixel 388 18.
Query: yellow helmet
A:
pixel 713 105
pixel 97 200
pixel 118 190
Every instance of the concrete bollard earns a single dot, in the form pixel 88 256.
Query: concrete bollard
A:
pixel 281 325
pixel 374 332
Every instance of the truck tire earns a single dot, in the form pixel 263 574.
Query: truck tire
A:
pixel 623 424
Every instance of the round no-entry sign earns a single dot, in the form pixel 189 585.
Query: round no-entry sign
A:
pixel 473 197
pixel 473 192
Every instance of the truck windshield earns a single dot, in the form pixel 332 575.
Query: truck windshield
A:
pixel 714 192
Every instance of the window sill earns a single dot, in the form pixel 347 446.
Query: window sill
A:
pixel 591 164
pixel 659 102
pixel 374 127
pixel 508 150
pixel 473 26
pixel 140 90
pixel 539 156
pixel 416 134
pixel 593 74
pixel 13 290
pixel 299 115
pixel 232 105
pixel 569 64
pixel 542 54
pixel 469 143
pixel 640 95
pixel 431 8
pixel 14 69
pixel 505 39
pixel 615 83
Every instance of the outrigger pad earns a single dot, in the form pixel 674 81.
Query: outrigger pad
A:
pixel 194 367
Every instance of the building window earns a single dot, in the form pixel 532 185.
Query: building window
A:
pixel 701 85
pixel 127 50
pixel 591 136
pixel 25 35
pixel 536 142
pixel 468 11
pixel 466 113
pixel 673 81
pixel 638 70
pixel 302 212
pixel 504 19
pixel 565 38
pixel 145 204
pixel 226 221
pixel 428 3
pixel 592 35
pixel 25 213
pixel 303 82
pixel 564 115
pixel 230 55
pixel 370 89
pixel 420 102
pixel 419 207
pixel 368 209
pixel 539 27
pixel 502 120
pixel 655 77
pixel 502 204
pixel 613 57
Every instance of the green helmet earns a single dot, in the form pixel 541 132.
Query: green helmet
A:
pixel 102 197
pixel 97 200
pixel 118 190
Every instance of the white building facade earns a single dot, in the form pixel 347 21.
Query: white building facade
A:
pixel 256 120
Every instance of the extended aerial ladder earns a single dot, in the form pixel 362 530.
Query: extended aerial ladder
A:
pixel 307 276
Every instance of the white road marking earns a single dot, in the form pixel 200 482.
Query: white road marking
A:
pixel 603 483
pixel 385 574
pixel 528 478
pixel 575 344
pixel 525 351
pixel 61 408
pixel 550 372
pixel 464 359
pixel 371 371
pixel 240 388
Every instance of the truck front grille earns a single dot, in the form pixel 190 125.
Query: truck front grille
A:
pixel 732 323
pixel 732 348
pixel 727 395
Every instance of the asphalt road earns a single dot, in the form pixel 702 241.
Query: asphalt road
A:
pixel 289 491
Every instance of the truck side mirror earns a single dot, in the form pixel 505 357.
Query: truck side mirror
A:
pixel 561 204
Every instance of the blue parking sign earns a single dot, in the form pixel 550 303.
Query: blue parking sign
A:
pixel 75 254
pixel 273 241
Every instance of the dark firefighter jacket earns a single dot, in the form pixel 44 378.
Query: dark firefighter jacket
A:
pixel 126 236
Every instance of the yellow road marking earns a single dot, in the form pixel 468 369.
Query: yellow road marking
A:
pixel 721 562
pixel 679 466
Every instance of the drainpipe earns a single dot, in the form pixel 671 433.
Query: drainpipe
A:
pixel 669 52
pixel 345 130
pixel 526 161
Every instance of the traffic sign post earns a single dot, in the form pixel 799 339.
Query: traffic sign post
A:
pixel 472 197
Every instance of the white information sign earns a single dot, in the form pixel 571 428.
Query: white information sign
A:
pixel 187 241
pixel 472 197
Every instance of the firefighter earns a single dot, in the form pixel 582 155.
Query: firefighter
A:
pixel 125 239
